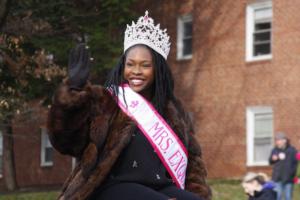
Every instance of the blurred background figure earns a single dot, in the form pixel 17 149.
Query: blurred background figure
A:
pixel 258 187
pixel 297 178
pixel 283 159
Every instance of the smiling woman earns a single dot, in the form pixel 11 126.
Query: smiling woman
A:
pixel 132 138
pixel 139 70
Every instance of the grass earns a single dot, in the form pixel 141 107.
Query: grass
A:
pixel 30 196
pixel 232 190
pixel 227 190
pixel 222 190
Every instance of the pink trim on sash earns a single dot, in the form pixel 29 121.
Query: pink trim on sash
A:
pixel 179 173
pixel 166 124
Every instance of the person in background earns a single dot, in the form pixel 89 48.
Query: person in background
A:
pixel 297 178
pixel 284 162
pixel 258 187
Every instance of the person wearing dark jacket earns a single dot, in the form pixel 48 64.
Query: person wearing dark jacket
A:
pixel 257 187
pixel 284 162
pixel 132 138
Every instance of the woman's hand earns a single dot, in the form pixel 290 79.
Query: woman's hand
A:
pixel 79 65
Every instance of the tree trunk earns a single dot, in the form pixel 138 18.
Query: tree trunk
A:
pixel 4 9
pixel 9 171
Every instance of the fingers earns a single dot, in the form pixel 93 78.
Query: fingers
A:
pixel 89 54
pixel 71 60
pixel 79 64
pixel 84 56
pixel 74 55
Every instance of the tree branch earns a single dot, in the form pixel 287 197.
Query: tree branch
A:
pixel 13 66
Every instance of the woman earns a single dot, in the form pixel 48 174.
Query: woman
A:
pixel 257 187
pixel 122 135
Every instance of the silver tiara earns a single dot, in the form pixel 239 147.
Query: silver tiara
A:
pixel 145 32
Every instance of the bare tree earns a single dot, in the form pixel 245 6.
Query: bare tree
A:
pixel 8 157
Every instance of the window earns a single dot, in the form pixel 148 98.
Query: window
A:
pixel 184 37
pixel 259 31
pixel 46 149
pixel 259 135
pixel 1 154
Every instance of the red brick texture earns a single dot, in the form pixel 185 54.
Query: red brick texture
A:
pixel 217 84
pixel 27 149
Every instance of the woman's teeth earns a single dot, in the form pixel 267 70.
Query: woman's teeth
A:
pixel 136 81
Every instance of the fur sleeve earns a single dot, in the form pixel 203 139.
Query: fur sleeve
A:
pixel 196 170
pixel 69 119
pixel 72 117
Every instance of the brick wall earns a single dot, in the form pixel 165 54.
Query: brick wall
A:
pixel 27 149
pixel 217 84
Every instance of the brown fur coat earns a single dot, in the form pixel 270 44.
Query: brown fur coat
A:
pixel 89 125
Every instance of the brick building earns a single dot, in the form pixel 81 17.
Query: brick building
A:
pixel 37 163
pixel 236 66
pixel 236 69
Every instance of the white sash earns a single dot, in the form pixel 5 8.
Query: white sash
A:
pixel 165 142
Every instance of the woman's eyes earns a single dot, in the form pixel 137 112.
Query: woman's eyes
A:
pixel 146 64
pixel 143 65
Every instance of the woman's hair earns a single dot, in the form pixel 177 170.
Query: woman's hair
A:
pixel 163 84
pixel 261 178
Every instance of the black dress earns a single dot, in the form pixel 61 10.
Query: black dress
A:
pixel 139 163
pixel 139 174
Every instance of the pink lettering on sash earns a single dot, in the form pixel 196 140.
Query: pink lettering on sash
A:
pixel 165 142
pixel 162 136
pixel 176 160
pixel 134 104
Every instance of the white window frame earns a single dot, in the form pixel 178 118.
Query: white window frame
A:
pixel 180 22
pixel 250 117
pixel 45 142
pixel 250 30
pixel 1 151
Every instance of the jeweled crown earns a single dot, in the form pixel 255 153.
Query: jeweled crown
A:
pixel 145 32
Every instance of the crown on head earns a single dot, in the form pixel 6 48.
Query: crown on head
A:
pixel 145 32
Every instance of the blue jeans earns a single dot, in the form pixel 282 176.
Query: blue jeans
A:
pixel 284 190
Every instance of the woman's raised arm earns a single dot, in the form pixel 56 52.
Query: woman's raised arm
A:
pixel 69 116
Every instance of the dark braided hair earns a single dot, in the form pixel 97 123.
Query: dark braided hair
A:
pixel 163 84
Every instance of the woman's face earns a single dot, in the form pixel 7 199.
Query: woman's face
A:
pixel 139 69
